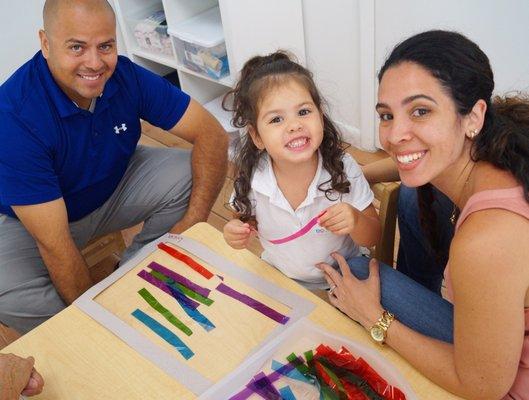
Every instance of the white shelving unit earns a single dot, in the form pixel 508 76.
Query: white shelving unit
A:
pixel 250 27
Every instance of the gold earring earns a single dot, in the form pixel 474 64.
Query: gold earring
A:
pixel 473 133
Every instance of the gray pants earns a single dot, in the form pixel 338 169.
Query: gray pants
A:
pixel 154 189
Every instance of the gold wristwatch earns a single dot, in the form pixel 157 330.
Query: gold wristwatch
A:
pixel 379 330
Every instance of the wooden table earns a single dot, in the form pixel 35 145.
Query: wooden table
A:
pixel 80 359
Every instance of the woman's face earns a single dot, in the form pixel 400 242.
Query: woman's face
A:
pixel 419 125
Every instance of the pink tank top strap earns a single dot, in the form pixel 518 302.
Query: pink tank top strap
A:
pixel 511 199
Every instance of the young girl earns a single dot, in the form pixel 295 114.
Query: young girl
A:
pixel 307 197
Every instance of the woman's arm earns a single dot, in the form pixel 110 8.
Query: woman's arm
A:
pixel 490 281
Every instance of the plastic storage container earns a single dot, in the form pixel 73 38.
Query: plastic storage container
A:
pixel 151 34
pixel 199 44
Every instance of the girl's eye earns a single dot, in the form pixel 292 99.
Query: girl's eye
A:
pixel 304 111
pixel 385 117
pixel 275 120
pixel 420 112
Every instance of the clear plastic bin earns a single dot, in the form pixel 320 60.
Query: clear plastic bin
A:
pixel 150 31
pixel 199 44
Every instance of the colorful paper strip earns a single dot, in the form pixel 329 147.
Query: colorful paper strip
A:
pixel 166 288
pixel 293 374
pixel 196 315
pixel 188 292
pixel 299 233
pixel 187 260
pixel 286 393
pixel 255 384
pixel 168 315
pixel 255 304
pixel 164 333
pixel 179 278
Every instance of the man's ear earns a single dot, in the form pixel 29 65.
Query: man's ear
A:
pixel 256 139
pixel 44 43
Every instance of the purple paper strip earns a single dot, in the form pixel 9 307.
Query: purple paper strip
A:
pixel 256 385
pixel 255 304
pixel 179 278
pixel 265 388
pixel 162 286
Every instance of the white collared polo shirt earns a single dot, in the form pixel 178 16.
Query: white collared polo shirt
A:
pixel 276 219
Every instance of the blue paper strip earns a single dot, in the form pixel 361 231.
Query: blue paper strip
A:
pixel 194 314
pixel 164 333
pixel 286 393
pixel 293 374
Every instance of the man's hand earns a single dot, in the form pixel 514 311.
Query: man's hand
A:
pixel 238 234
pixel 17 376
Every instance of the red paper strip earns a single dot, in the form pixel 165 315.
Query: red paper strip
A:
pixel 186 259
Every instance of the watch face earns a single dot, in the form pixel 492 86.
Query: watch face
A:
pixel 377 333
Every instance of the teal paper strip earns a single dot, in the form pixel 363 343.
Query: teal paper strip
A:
pixel 286 393
pixel 293 373
pixel 164 333
pixel 196 315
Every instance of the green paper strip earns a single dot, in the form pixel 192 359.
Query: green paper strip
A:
pixel 333 377
pixel 149 298
pixel 354 379
pixel 293 358
pixel 309 355
pixel 188 292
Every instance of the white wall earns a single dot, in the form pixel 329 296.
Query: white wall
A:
pixel 346 41
pixel 332 53
pixel 500 28
pixel 21 21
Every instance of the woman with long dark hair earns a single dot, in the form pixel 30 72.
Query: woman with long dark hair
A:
pixel 441 126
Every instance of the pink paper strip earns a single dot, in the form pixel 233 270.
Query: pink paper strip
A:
pixel 299 233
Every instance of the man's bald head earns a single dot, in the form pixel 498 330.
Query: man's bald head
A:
pixel 54 8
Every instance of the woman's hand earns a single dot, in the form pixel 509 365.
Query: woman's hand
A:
pixel 238 234
pixel 339 219
pixel 359 299
pixel 17 376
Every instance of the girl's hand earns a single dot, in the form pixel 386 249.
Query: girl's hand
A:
pixel 238 234
pixel 339 219
pixel 359 299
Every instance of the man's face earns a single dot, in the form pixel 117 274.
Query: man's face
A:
pixel 80 48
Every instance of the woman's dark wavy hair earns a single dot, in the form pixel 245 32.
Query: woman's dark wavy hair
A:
pixel 464 72
pixel 259 75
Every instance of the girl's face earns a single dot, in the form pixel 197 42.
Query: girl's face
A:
pixel 289 125
pixel 420 127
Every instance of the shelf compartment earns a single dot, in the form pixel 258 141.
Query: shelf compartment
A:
pixel 200 46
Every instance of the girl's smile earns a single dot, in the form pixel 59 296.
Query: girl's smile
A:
pixel 289 125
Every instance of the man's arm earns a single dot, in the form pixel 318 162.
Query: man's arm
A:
pixel 381 171
pixel 209 161
pixel 48 224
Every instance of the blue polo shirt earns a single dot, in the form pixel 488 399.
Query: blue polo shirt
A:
pixel 50 148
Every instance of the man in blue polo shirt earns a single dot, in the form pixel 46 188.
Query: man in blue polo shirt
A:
pixel 70 168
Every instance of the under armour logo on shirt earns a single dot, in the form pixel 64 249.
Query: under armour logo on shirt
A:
pixel 118 130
